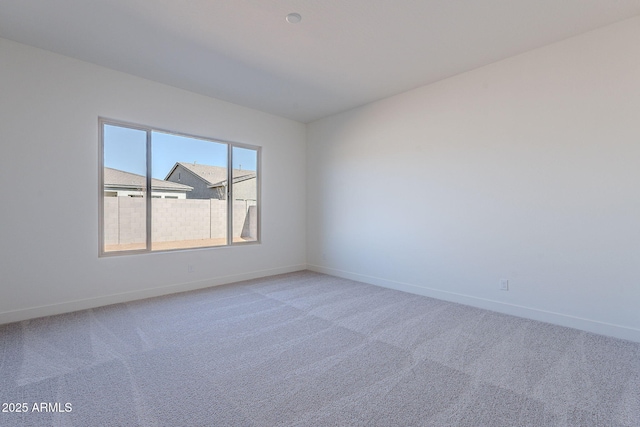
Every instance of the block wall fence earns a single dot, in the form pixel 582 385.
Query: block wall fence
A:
pixel 176 219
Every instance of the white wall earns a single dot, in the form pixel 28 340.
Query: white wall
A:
pixel 49 108
pixel 527 170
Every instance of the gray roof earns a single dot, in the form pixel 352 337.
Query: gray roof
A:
pixel 214 176
pixel 236 178
pixel 115 178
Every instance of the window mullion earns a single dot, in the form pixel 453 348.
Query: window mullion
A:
pixel 148 198
pixel 229 194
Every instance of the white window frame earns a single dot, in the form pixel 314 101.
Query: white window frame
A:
pixel 229 196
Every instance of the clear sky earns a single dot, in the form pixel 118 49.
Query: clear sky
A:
pixel 125 149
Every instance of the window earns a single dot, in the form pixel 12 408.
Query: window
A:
pixel 166 191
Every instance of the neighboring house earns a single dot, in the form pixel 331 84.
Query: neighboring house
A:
pixel 119 183
pixel 210 182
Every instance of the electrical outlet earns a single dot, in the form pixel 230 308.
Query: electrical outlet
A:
pixel 504 285
pixel 191 268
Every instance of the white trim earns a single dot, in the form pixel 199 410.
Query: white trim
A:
pixel 588 325
pixel 88 303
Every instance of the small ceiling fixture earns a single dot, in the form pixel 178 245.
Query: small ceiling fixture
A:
pixel 293 18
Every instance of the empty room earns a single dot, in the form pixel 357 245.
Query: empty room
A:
pixel 320 213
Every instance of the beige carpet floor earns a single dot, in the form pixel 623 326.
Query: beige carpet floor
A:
pixel 306 349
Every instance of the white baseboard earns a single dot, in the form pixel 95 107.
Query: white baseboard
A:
pixel 589 325
pixel 83 304
pixel 594 326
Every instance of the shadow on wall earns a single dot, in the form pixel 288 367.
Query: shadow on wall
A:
pixel 250 226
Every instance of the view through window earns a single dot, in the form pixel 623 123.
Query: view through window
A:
pixel 166 191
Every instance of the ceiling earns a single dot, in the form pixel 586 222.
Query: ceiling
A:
pixel 344 53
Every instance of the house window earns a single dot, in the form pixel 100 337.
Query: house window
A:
pixel 164 191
